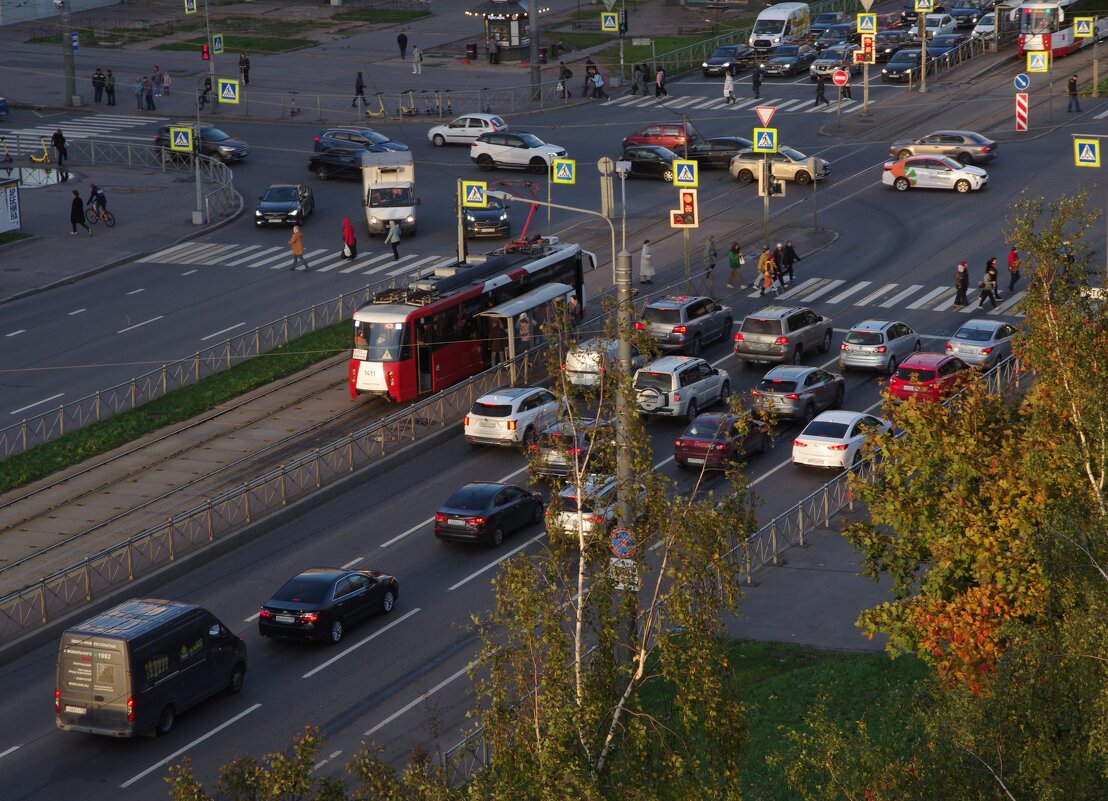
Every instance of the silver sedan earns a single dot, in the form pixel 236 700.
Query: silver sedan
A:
pixel 877 345
pixel 798 392
pixel 982 343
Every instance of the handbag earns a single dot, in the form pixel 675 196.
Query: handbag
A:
pixel 346 251
pixel 742 259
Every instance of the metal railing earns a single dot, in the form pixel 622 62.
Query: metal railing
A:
pixel 969 49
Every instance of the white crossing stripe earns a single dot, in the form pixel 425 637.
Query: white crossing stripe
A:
pixel 198 255
pixel 738 104
pixel 308 256
pixel 365 262
pixel 858 287
pixel 875 295
pixel 796 290
pixel 234 250
pixel 165 255
pixel 948 302
pixel 81 128
pixel 895 299
pixel 282 253
pixel 1004 307
pixel 253 256
pixel 830 286
pixel 681 102
pixel 787 103
pixel 920 301
pixel 413 267
pixel 1101 115
pixel 713 102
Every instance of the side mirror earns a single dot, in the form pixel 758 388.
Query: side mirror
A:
pixel 215 631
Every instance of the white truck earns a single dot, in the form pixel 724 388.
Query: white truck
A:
pixel 388 192
pixel 784 23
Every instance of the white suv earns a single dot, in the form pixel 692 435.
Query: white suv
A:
pixel 511 416
pixel 518 149
pixel 585 364
pixel 680 386
pixel 598 505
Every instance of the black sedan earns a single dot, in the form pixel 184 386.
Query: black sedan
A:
pixel 789 59
pixel 489 221
pixel 337 162
pixel 888 42
pixel 486 511
pixel 716 153
pixel 321 602
pixel 836 35
pixel 284 204
pixel 650 161
pixel 213 142
pixel 728 58
pixel 943 45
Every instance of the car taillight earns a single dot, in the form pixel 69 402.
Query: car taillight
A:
pixel 781 341
pixel 720 446
pixel 986 149
pixel 881 349
pixel 308 617
pixel 679 443
pixel 680 329
pixel 640 326
pixel 130 709
pixel 317 138
pixel 511 425
pixel 440 517
pixel 949 346
pixel 563 365
pixel 473 144
pixel 592 518
pixel 738 337
pixel 575 451
pixel 836 447
pixel 676 398
pixel 263 613
pixel 465 420
pixel 986 350
pixel 844 346
pixel 793 396
pixel 475 521
pixel 800 444
pixel 392 378
pixel 57 700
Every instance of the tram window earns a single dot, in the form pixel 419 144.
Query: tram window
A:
pixel 386 341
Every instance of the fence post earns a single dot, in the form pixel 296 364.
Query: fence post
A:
pixel 133 393
pixel 826 506
pixel 285 326
pixel 98 406
pixel 773 538
pixel 228 353
pixel 211 528
pixel 284 497
pixel 318 109
pixel 800 522
pixel 196 371
pixel 42 599
pixel 350 453
pixel 165 381
pixel 246 500
pixel 61 419
pixel 24 432
pixel 130 562
pixel 258 341
pixel 315 462
pixel 88 581
pixel 313 317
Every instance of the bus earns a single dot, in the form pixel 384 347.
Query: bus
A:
pixel 432 334
pixel 1047 27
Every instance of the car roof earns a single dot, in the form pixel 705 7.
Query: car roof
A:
pixel 872 325
pixel 479 116
pixel 596 344
pixel 322 575
pixel 675 301
pixel 924 360
pixel 790 371
pixel 351 129
pixel 283 186
pixel 591 484
pixel 490 487
pixel 669 364
pixel 775 311
pixel 840 416
pixel 506 394
pixel 656 148
pixel 981 325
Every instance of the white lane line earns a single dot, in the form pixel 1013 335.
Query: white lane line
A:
pixel 139 325
pixel 190 272
pixel 10 750
pixel 224 331
pixel 858 287
pixel 352 562
pixel 830 286
pixel 497 561
pixel 188 747
pixel 872 296
pixel 245 259
pixel 913 289
pixel 416 527
pixel 136 291
pixel 38 403
pixel 252 618
pixel 16 333
pixel 419 700
pixel 400 270
pixel 323 762
pixel 359 644
pixel 933 293
pixel 77 311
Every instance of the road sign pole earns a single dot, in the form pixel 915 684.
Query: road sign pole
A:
pixel 688 264
pixel 865 89
pixel 1096 66
pixel 767 179
pixel 461 223
pixel 922 17
pixel 549 194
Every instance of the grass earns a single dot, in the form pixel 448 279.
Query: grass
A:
pixel 244 44
pixel 779 685
pixel 380 16
pixel 177 406
pixel 12 236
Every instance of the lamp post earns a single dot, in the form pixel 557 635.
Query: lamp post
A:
pixel 71 98
pixel 198 215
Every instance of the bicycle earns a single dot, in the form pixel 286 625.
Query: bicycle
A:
pixel 380 111
pixel 44 156
pixel 486 106
pixel 95 214
pixel 411 107
pixel 203 99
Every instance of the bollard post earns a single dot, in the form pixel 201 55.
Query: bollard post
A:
pixel 800 522
pixel 211 527
pixel 88 581
pixel 133 393
pixel 165 381
pixel 246 501
pixel 196 371
pixel 61 419
pixel 130 562
pixel 97 406
pixel 773 538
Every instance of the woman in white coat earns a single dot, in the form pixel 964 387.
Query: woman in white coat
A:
pixel 646 264
pixel 728 88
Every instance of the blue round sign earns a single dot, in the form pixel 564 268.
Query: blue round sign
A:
pixel 622 543
pixel 1021 81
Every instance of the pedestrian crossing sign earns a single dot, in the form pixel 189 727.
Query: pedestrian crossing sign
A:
pixel 924 6
pixel 684 173
pixel 1083 27
pixel 228 90
pixel 609 21
pixel 867 23
pixel 180 139
pixel 1086 152
pixel 1038 61
pixel 565 171
pixel 475 194
pixel 190 6
pixel 217 43
pixel 765 140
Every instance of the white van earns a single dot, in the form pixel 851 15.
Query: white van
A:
pixel 781 24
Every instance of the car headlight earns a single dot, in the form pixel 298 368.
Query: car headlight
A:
pixel 470 217
pixel 705 64
pixel 761 66
pixel 726 64
pixel 504 215
pixel 373 221
pixel 410 218
pixel 225 149
pixel 884 70
pixel 257 212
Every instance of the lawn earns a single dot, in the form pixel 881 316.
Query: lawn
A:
pixel 380 16
pixel 12 236
pixel 243 44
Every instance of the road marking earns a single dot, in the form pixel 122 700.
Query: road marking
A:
pixel 419 699
pixel 135 291
pixel 323 762
pixel 78 311
pixel 364 262
pixel 875 295
pixel 858 287
pixel 16 333
pixel 282 253
pixel 9 751
pixel 416 527
pixel 830 286
pixel 311 254
pixel 188 747
pixel 913 289
pixel 224 331
pixel 796 290
pixel 232 250
pixel 245 259
pixel 190 272
pixel 1004 307
pixel 161 255
pixel 357 645
pixel 139 325
pixel 497 561
pixel 253 617
pixel 38 403
pixel 352 562
pixel 932 294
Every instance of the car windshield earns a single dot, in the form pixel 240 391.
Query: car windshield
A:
pixel 905 57
pixel 888 36
pixel 558 439
pixel 934 20
pixel 488 409
pixel 785 52
pixel 776 385
pixel 645 380
pixel 661 316
pixel 755 325
pixel 473 498
pixel 280 194
pixel 303 590
pixel 724 52
pixel 213 135
pixel 863 338
pixel 915 374
pixel 381 341
pixel 825 428
pixel 530 140
pixel 986 20
pixel 971 334
pixel 794 155
pixel 708 429
pixel 769 26
pixel 827 19
pixel 949 162
pixel 394 196
pixel 947 40
pixel 373 137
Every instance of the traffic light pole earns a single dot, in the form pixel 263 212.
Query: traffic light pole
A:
pixel 767 186
pixel 214 101
pixel 67 55
pixel 922 17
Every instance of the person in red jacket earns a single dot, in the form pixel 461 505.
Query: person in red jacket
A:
pixel 349 241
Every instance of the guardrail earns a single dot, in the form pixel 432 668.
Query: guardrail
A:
pixel 971 48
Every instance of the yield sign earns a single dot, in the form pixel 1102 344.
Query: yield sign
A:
pixel 609 3
pixel 765 114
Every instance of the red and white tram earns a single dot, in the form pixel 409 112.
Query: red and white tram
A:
pixel 1048 27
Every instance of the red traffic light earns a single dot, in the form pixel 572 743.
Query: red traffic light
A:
pixel 205 53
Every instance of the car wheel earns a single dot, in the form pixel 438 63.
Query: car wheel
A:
pixel 724 391
pixel 802 177
pixel 857 459
pixel 798 355
pixel 438 140
pixel 892 365
pixel 537 517
pixel 336 632
pixel 238 673
pixel 691 410
pixel 838 402
pixel 667 176
pixel 904 154
pixel 497 538
pixel 964 159
pixel 321 174
pixel 484 161
pixel 826 345
pixel 538 165
pixel 745 176
pixel 694 348
pixel 962 186
pixel 166 721
pixel 808 414
pixel 388 602
pixel 902 184
pixel 529 439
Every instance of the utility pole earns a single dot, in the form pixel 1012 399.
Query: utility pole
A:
pixel 534 30
pixel 461 223
pixel 71 98
pixel 921 17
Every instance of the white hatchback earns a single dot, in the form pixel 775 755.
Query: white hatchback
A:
pixel 835 438
pixel 511 416
pixel 465 129
pixel 518 149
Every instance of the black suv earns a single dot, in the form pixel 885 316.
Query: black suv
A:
pixel 213 142
pixel 685 323
pixel 909 15
pixel 337 162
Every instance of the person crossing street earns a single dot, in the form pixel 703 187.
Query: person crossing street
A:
pixel 821 92
pixel 296 244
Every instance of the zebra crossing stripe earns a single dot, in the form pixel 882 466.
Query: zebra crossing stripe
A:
pixel 895 299
pixel 308 256
pixel 189 249
pixel 281 253
pixel 199 254
pixel 681 102
pixel 711 102
pixel 948 300
pixel 788 103
pixel 368 261
pixel 235 250
pixel 1004 307
pixel 328 263
pixel 245 259
pixel 1101 115
pixel 858 287
pixel 162 255
pixel 796 290
pixel 933 293
pixel 829 286
pixel 870 298
pixel 414 266
pixel 744 103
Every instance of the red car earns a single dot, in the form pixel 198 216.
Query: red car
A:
pixel 716 441
pixel 928 376
pixel 674 135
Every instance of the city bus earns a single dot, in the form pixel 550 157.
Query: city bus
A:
pixel 433 333
pixel 1048 27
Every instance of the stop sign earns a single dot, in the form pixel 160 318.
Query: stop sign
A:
pixel 840 77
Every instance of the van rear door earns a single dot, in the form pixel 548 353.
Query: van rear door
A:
pixel 92 688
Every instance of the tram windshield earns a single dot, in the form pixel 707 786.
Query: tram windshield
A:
pixel 381 341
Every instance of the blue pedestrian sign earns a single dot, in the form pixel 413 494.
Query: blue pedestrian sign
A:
pixel 1021 81
pixel 1038 60
pixel 622 543
pixel 684 173
pixel 1083 27
pixel 475 194
pixel 609 21
pixel 180 139
pixel 565 171
pixel 867 23
pixel 217 43
pixel 190 6
pixel 765 140
pixel 1086 152
pixel 924 6
pixel 74 41
pixel 228 90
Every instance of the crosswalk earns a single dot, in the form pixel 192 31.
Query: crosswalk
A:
pixel 278 257
pixel 1102 114
pixel 834 291
pixel 26 140
pixel 700 103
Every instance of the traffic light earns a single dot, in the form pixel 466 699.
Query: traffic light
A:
pixel 205 53
pixel 776 187
pixel 623 20
pixel 687 216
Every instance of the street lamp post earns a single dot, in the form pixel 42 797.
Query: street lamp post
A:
pixel 71 98
pixel 198 215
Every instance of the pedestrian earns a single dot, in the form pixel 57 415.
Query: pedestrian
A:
pixel 590 71
pixel 598 86
pixel 77 214
pixel 1013 269
pixel 709 257
pixel 156 80
pixel 244 68
pixel 494 50
pixel 109 87
pixel 660 83
pixel 498 340
pixel 60 151
pixel 99 79
pixel 166 82
pixel 402 43
pixel 296 243
pixel 767 272
pixel 1071 90
pixel 728 89
pixel 984 293
pixel 991 277
pixel 349 241
pixel 417 60
pixel 359 91
pixel 961 284
pixel 148 94
pixel 790 258
pixel 756 83
pixel 779 262
pixel 136 87
pixel 636 80
pixel 524 332
pixel 821 92
pixel 736 260
pixel 574 309
pixel 564 74
pixel 646 264
pixel 844 90
pixel 392 239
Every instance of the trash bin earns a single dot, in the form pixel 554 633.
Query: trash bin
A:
pixel 542 55
pixel 471 51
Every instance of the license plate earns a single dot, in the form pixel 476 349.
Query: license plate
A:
pixel 76 710
pixel 758 345
pixel 910 388
pixel 487 424
pixel 696 461
pixel 285 619
pixel 453 522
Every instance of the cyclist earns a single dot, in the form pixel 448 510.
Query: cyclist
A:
pixel 98 200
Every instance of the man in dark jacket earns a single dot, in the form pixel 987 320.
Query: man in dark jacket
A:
pixel 98 81
pixel 790 258
pixel 58 141
pixel 402 43
pixel 961 284
pixel 77 214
